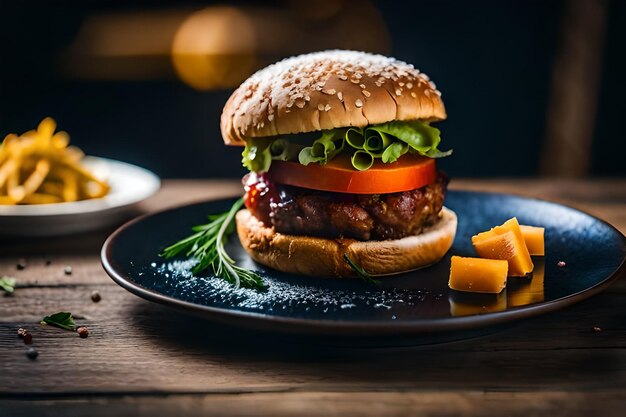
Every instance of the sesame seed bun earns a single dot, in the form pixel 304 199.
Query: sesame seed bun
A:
pixel 324 257
pixel 326 90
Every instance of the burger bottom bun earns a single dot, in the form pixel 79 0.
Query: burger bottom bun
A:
pixel 324 257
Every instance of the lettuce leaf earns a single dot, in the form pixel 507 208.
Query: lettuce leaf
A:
pixel 256 156
pixel 283 150
pixel 362 160
pixel 421 137
pixel 323 149
pixel 386 141
pixel 394 151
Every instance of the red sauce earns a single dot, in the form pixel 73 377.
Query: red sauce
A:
pixel 260 192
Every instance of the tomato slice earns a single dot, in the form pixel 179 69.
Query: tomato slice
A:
pixel 409 172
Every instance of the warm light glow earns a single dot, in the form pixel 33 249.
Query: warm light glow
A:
pixel 215 48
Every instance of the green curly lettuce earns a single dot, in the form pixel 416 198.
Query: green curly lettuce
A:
pixel 421 137
pixel 386 141
pixel 257 156
pixel 325 148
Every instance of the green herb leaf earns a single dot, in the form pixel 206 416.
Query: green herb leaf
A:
pixel 206 245
pixel 62 319
pixel 7 284
pixel 360 271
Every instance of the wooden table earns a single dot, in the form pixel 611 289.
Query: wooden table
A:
pixel 144 359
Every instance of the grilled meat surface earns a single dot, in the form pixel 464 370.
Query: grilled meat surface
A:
pixel 300 211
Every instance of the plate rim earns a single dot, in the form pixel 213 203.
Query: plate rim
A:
pixel 88 206
pixel 297 325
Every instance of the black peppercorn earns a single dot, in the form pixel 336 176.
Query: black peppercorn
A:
pixel 28 339
pixel 32 353
pixel 95 296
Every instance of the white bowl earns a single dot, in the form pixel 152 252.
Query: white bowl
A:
pixel 130 184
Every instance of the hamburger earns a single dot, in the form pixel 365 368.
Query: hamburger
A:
pixel 342 159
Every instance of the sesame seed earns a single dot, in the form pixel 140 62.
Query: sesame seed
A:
pixel 321 83
pixel 343 77
pixel 328 107
pixel 438 93
pixel 300 103
pixel 362 86
pixel 432 85
pixel 270 117
pixel 329 92
pixel 366 93
pixel 413 94
pixel 320 107
pixel 358 103
pixel 358 75
pixel 409 85
pixel 340 96
pixel 398 91
pixel 354 80
pixel 401 84
pixel 289 105
pixel 307 97
pixel 427 93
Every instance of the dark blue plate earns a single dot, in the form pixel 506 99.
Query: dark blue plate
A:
pixel 413 303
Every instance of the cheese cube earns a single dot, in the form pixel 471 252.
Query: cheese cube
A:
pixel 478 275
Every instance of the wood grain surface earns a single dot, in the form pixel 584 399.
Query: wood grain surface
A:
pixel 144 359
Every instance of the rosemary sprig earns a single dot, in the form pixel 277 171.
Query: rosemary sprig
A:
pixel 206 245
pixel 360 271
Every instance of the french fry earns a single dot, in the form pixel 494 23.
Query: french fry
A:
pixel 70 185
pixel 60 140
pixel 6 170
pixel 6 200
pixel 14 190
pixel 35 179
pixel 40 198
pixel 52 187
pixel 39 167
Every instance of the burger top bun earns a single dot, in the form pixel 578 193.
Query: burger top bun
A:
pixel 326 90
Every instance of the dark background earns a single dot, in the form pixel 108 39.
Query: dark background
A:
pixel 491 59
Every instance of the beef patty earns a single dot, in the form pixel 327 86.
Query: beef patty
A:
pixel 300 211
